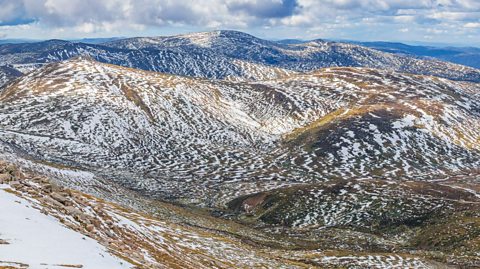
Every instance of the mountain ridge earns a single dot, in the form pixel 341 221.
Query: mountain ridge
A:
pixel 226 55
pixel 336 122
pixel 337 167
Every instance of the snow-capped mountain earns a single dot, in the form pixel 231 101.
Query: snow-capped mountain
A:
pixel 298 57
pixel 204 142
pixel 227 54
pixel 28 57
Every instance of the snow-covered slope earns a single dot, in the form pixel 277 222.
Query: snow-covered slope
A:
pixel 27 57
pixel 357 204
pixel 297 57
pixel 44 225
pixel 7 74
pixel 205 142
pixel 227 54
pixel 34 240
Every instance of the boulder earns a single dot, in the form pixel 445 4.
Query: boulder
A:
pixel 72 211
pixel 50 201
pixel 4 178
pixel 60 198
pixel 90 228
pixel 47 188
pixel 16 184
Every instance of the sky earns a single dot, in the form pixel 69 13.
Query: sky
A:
pixel 454 22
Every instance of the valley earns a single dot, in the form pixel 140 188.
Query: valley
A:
pixel 221 150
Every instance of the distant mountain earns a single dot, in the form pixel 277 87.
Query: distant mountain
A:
pixel 26 57
pixel 18 41
pixel 96 40
pixel 227 54
pixel 459 55
pixel 301 57
pixel 291 41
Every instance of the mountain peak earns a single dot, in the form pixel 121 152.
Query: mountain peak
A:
pixel 235 33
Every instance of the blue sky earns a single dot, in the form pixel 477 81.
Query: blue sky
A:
pixel 433 21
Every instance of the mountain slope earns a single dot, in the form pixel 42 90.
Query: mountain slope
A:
pixel 206 142
pixel 227 54
pixel 166 236
pixel 48 226
pixel 55 245
pixel 7 74
pixel 459 55
pixel 298 57
pixel 27 57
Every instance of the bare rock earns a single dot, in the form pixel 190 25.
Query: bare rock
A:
pixel 72 211
pixel 97 223
pixel 16 184
pixel 47 188
pixel 4 178
pixel 60 198
pixel 32 192
pixel 50 201
pixel 90 228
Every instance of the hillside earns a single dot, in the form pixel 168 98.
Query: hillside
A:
pixel 459 55
pixel 339 167
pixel 206 142
pixel 227 54
pixel 48 226
pixel 38 213
pixel 8 74
pixel 302 57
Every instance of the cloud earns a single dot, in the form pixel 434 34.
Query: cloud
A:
pixel 472 25
pixel 229 12
pixel 371 18
pixel 11 12
pixel 84 13
pixel 263 9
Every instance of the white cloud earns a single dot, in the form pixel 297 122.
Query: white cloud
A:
pixel 472 25
pixel 371 18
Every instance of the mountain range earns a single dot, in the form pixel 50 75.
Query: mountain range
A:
pixel 223 54
pixel 468 56
pixel 185 151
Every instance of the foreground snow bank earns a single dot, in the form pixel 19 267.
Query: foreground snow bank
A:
pixel 40 241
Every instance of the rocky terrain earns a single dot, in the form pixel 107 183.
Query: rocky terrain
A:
pixel 137 240
pixel 203 142
pixel 159 235
pixel 278 165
